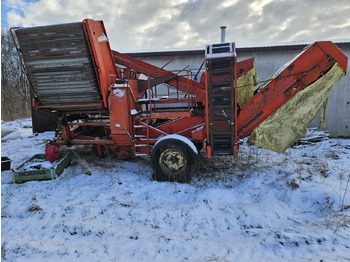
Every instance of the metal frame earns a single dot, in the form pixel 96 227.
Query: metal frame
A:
pixel 131 135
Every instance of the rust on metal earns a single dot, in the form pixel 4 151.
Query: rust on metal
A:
pixel 173 161
pixel 58 64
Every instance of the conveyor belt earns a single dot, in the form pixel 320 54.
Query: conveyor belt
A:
pixel 59 65
pixel 221 101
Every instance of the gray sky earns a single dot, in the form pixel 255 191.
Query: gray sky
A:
pixel 170 24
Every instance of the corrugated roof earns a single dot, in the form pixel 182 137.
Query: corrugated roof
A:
pixel 247 48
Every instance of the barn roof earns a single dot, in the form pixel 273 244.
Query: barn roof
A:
pixel 247 48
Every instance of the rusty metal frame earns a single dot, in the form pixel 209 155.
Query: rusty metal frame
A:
pixel 102 55
pixel 303 70
pixel 196 88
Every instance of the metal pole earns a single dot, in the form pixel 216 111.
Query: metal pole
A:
pixel 223 32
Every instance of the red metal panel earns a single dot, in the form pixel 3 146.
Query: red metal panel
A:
pixel 119 112
pixel 332 50
pixel 101 50
pixel 243 67
pixel 183 126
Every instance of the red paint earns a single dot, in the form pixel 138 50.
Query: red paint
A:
pixel 312 63
pixel 129 134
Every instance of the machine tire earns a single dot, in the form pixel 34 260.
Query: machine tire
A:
pixel 173 160
pixel 199 146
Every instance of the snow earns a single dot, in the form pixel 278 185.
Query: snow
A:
pixel 147 99
pixel 143 77
pixel 102 38
pixel 122 85
pixel 181 138
pixel 134 112
pixel 37 164
pixel 5 131
pixel 262 206
pixel 119 92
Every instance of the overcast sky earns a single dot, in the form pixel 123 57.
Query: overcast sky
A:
pixel 170 24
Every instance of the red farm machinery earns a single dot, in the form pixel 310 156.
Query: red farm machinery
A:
pixel 130 108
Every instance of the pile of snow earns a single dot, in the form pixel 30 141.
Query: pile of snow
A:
pixel 262 206
pixel 13 130
pixel 38 164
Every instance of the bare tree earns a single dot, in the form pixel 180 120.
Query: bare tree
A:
pixel 15 93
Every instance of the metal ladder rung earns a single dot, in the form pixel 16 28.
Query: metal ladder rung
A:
pixel 222 106
pixel 221 129
pixel 221 84
pixel 221 63
pixel 140 136
pixel 221 96
pixel 220 99
pixel 222 152
pixel 223 72
pixel 221 118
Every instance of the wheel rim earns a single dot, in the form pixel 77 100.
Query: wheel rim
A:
pixel 172 161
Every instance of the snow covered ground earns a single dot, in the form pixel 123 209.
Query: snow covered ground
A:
pixel 262 206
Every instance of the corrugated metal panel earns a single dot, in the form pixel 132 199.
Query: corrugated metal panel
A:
pixel 59 65
pixel 239 48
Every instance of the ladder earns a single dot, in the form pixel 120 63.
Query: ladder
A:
pixel 221 98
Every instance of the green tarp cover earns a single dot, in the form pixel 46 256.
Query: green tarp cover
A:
pixel 288 124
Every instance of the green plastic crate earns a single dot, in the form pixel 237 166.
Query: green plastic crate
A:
pixel 41 174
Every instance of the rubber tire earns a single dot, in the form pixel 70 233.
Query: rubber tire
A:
pixel 190 156
pixel 199 147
